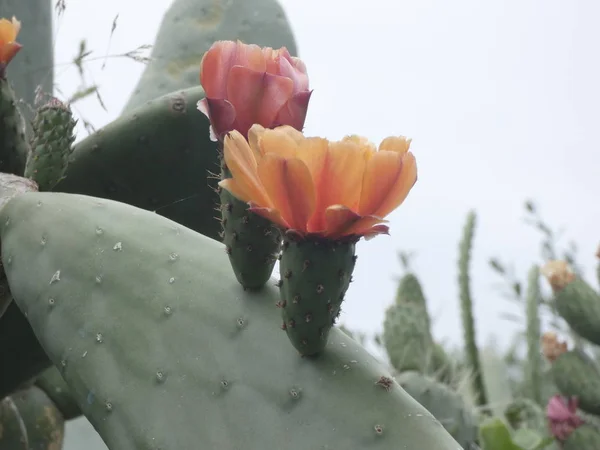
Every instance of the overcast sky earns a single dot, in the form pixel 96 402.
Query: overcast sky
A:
pixel 501 100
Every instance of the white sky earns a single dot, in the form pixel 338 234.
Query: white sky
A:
pixel 501 100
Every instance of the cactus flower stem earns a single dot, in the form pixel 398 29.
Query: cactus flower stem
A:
pixel 466 306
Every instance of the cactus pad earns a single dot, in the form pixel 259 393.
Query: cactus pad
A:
pixel 163 349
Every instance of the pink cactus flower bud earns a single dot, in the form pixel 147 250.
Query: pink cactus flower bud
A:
pixel 562 416
pixel 247 85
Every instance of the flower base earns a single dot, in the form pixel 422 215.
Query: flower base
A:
pixel 251 241
pixel 315 275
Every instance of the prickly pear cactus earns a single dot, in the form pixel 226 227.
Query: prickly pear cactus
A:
pixel 53 137
pixel 190 27
pixel 162 321
pixel 407 338
pixel 157 158
pixel 446 405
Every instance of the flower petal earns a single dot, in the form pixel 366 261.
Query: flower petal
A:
pixel 233 187
pixel 221 114
pixel 338 178
pixel 218 61
pixel 337 219
pixel 8 51
pixel 399 191
pixel 382 171
pixel 270 214
pixel 296 72
pixel 283 141
pixel 255 134
pixel 256 96
pixel 376 231
pixel 290 188
pixel 294 111
pixel 398 144
pixel 367 225
pixel 9 29
pixel 240 161
pixel 342 221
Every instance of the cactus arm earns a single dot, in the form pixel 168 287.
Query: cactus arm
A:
pixel 466 307
pixel 533 366
pixel 190 27
pixel 141 313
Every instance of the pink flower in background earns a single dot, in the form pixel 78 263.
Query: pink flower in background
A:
pixel 247 85
pixel 562 416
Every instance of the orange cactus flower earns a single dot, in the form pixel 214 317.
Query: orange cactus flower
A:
pixel 317 187
pixel 8 45
pixel 245 84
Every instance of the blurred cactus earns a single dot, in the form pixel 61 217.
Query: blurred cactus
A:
pixel 533 367
pixel 466 308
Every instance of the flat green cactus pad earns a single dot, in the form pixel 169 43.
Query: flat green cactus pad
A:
pixel 163 349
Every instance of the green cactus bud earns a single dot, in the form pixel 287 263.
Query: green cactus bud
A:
pixel 13 143
pixel 406 337
pixel 585 437
pixel 251 241
pixel 315 275
pixel 44 423
pixel 576 374
pixel 579 304
pixel 446 405
pixel 575 300
pixel 51 145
